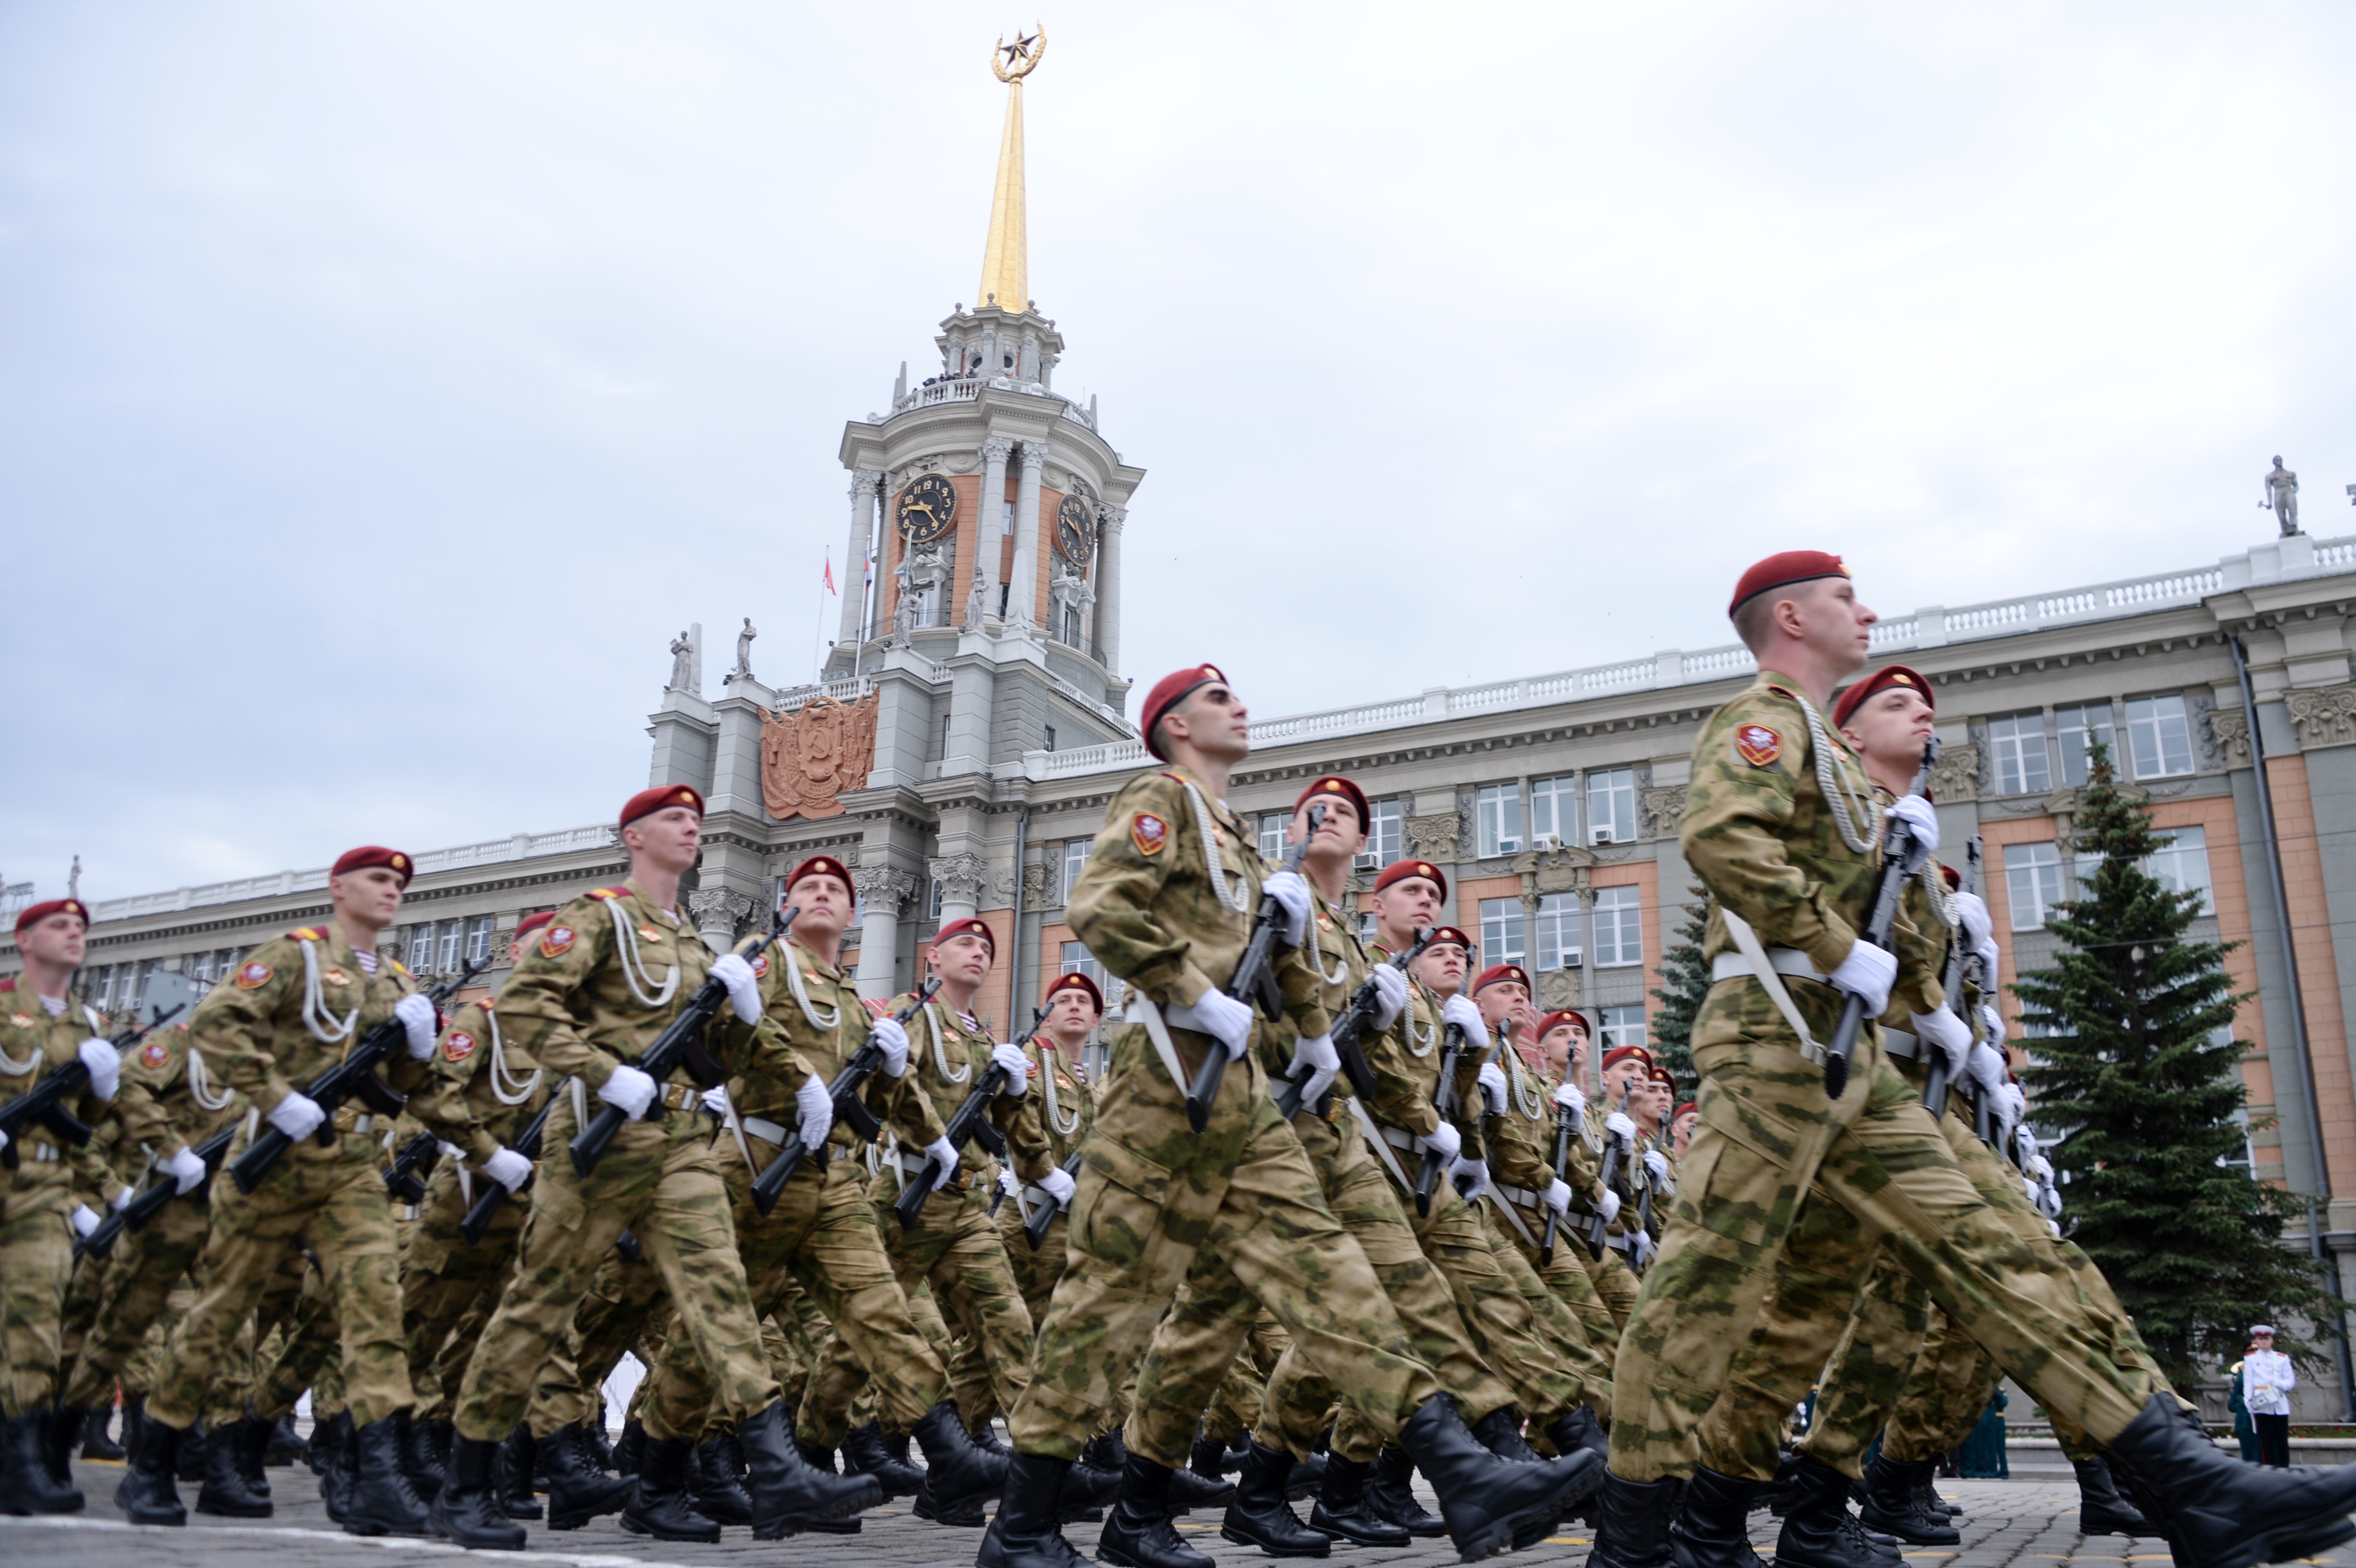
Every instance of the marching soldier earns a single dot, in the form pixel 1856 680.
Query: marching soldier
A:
pixel 1166 904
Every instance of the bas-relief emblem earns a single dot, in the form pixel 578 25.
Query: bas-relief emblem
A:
pixel 814 754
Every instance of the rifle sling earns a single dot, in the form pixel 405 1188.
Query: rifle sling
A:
pixel 1763 971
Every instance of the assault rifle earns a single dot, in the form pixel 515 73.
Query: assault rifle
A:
pixel 1936 1077
pixel 401 1176
pixel 355 1074
pixel 865 1063
pixel 1034 1229
pixel 971 1121
pixel 135 1215
pixel 46 1101
pixel 1444 1097
pixel 528 1144
pixel 1254 983
pixel 1615 1153
pixel 1881 925
pixel 1355 1019
pixel 1564 1120
pixel 679 1045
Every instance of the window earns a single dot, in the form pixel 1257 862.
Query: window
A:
pixel 1559 923
pixel 421 949
pixel 1499 812
pixel 1553 809
pixel 1619 929
pixel 2160 737
pixel 2018 742
pixel 1075 856
pixel 2032 880
pixel 1501 932
pixel 1271 836
pixel 453 932
pixel 1051 728
pixel 934 906
pixel 1076 959
pixel 478 939
pixel 200 968
pixel 1612 806
pixel 1382 834
pixel 2073 726
pixel 1621 1026
pixel 1368 927
pixel 2181 865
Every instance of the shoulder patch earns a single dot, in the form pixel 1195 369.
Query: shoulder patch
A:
pixel 252 976
pixel 1149 833
pixel 761 965
pixel 1756 744
pixel 156 1054
pixel 556 942
pixel 457 1045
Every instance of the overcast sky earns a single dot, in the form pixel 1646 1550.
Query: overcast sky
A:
pixel 382 385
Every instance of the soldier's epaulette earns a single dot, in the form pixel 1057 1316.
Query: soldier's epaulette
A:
pixel 398 966
pixel 1779 692
pixel 307 934
pixel 607 893
pixel 7 985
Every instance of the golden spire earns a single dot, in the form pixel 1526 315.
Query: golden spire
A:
pixel 1005 260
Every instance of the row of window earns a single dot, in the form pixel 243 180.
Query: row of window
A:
pixel 2033 874
pixel 447 946
pixel 2025 749
pixel 1507 931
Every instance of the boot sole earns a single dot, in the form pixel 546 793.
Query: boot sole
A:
pixel 868 1496
pixel 2302 1540
pixel 442 1531
pixel 574 1517
pixel 640 1527
pixel 1229 1532
pixel 1341 1532
pixel 219 1509
pixel 423 1529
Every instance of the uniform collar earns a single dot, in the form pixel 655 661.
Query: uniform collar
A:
pixel 638 895
pixel 1219 808
pixel 812 961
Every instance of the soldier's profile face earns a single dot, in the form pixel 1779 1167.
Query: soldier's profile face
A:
pixel 371 895
pixel 1339 830
pixel 1890 727
pixel 669 839
pixel 1501 1000
pixel 1681 1134
pixel 1442 968
pixel 964 957
pixel 1619 1076
pixel 1833 622
pixel 60 938
pixel 1212 720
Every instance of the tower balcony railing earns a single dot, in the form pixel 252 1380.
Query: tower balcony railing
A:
pixel 966 389
pixel 1081 644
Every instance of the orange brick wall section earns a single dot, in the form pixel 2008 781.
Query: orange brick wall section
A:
pixel 2310 924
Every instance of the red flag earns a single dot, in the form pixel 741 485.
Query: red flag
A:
pixel 830 572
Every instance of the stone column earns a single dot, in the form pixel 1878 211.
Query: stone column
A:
pixel 863 484
pixel 882 890
pixel 717 913
pixel 982 601
pixel 1021 610
pixel 959 878
pixel 1108 585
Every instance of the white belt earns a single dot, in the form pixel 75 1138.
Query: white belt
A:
pixel 768 1131
pixel 1034 1196
pixel 1767 966
pixel 47 1154
pixel 1620 1242
pixel 1523 1196
pixel 964 1179
pixel 1900 1042
pixel 1782 960
pixel 1157 1020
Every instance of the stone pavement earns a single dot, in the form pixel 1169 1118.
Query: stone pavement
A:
pixel 2032 1524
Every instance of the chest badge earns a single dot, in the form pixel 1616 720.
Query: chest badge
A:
pixel 556 942
pixel 1758 745
pixel 252 976
pixel 20 1020
pixel 1149 833
pixel 337 978
pixel 457 1045
pixel 155 1054
pixel 648 933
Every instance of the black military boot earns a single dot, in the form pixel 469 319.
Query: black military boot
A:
pixel 1212 1459
pixel 959 1476
pixel 822 1461
pixel 418 1461
pixel 252 1454
pixel 382 1500
pixel 285 1448
pixel 1308 1477
pixel 1026 1533
pixel 1500 1431
pixel 339 1460
pixel 1137 1532
pixel 467 1509
pixel 1093 1484
pixel 867 1452
pixel 2218 1512
pixel 1390 1496
pixel 788 1493
pixel 578 1491
pixel 1928 1490
pixel 1635 1529
pixel 660 1504
pixel 598 1447
pixel 95 1443
pixel 1712 1530
pixel 1260 1517
pixel 626 1452
pixel 58 1429
pixel 1342 1509
pixel 712 1481
pixel 135 1408
pixel 226 1493
pixel 1577 1431
pixel 518 1453
pixel 146 1495
pixel 2101 1509
pixel 1894 1503
pixel 1818 1530
pixel 1189 1488
pixel 26 1485
pixel 985 1437
pixel 192 1450
pixel 1484 1499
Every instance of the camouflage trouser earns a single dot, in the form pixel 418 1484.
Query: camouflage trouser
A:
pixel 1243 1193
pixel 139 1370
pixel 1566 1276
pixel 260 1342
pixel 661 1181
pixel 1556 1325
pixel 626 1306
pixel 1615 1284
pixel 36 1257
pixel 1034 1276
pixel 334 1199
pixel 805 1331
pixel 445 1276
pixel 131 1295
pixel 953 1246
pixel 1520 1347
pixel 1942 1398
pixel 822 1232
pixel 1769 1148
pixel 1237 1403
pixel 306 1357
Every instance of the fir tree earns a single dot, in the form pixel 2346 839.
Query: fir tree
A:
pixel 1685 981
pixel 2140 1078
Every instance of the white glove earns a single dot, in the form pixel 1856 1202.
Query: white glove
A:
pixel 1919 814
pixel 1656 1166
pixel 1568 1096
pixel 716 1100
pixel 1944 1030
pixel 1316 1056
pixel 1010 1184
pixel 1291 893
pixel 629 1089
pixel 1987 1070
pixel 1973 910
pixel 1991 1023
pixel 1460 1011
pixel 893 1040
pixel 2049 1203
pixel 1619 1126
pixel 85 1219
pixel 1556 1196
pixel 1640 1247
pixel 1390 996
pixel 2024 1146
pixel 2014 1106
pixel 122 1199
pixel 509 1169
pixel 298 1115
pixel 1471 1177
pixel 1008 1055
pixel 2054 1225
pixel 417 1024
pixel 1058 1185
pixel 450 1149
pixel 817 1107
pixel 187 1169
pixel 1225 1019
pixel 1610 1209
pixel 1493 1081
pixel 4 1140
pixel 106 1064
pixel 743 986
pixel 2029 1186
pixel 2042 1168
pixel 1444 1140
pixel 945 1152
pixel 1869 971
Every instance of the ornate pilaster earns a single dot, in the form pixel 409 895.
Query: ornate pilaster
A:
pixel 883 891
pixel 718 914
pixel 2326 716
pixel 1955 776
pixel 961 879
pixel 2231 730
pixel 1665 804
pixel 988 527
pixel 1109 519
pixel 1021 609
pixel 865 482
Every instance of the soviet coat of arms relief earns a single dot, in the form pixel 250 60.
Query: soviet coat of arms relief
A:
pixel 815 753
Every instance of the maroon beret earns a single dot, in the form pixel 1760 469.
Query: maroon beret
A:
pixel 1784 569
pixel 532 922
pixel 1882 679
pixel 1075 981
pixel 971 926
pixel 1169 692
pixel 647 801
pixel 368 854
pixel 819 866
pixel 1496 973
pixel 36 913
pixel 1400 870
pixel 1448 935
pixel 1336 785
pixel 1620 1053
pixel 1558 1018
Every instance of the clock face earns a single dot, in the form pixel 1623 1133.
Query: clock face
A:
pixel 928 509
pixel 1073 528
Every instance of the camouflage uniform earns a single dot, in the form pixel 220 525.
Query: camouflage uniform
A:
pixel 1154 1196
pixel 625 1305
pixel 51 1179
pixel 1799 864
pixel 582 1001
pixel 273 1026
